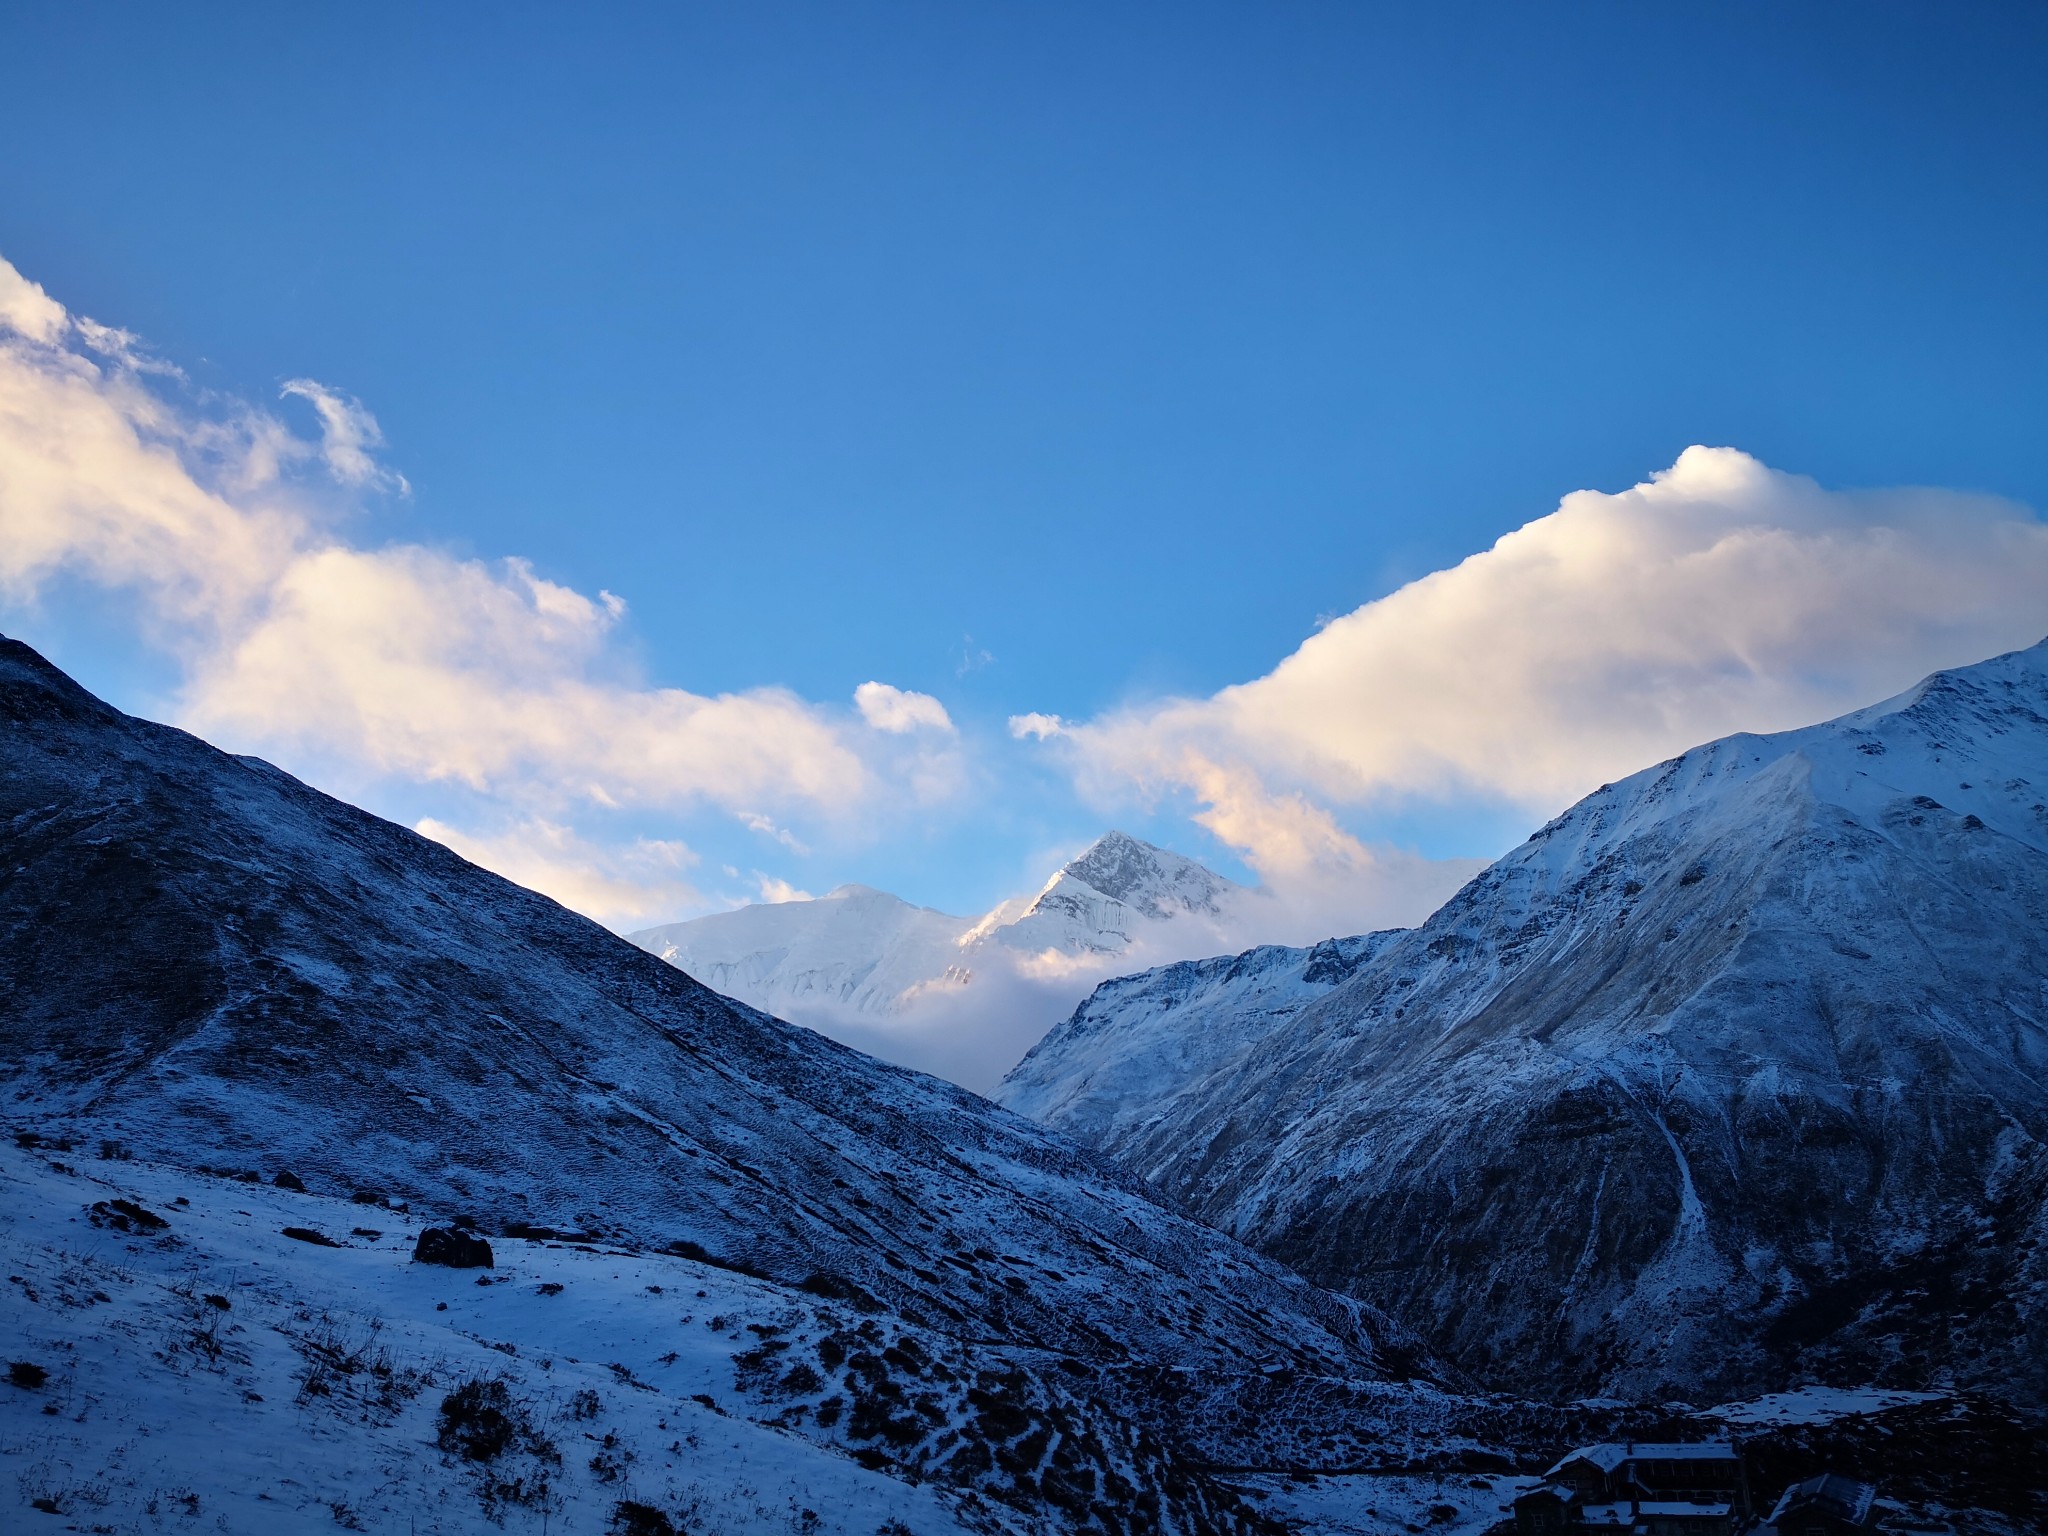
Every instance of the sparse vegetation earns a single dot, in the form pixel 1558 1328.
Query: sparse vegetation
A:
pixel 355 1373
pixel 123 1215
pixel 632 1518
pixel 484 1424
pixel 477 1420
pixel 27 1375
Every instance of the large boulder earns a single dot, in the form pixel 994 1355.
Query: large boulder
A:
pixel 454 1249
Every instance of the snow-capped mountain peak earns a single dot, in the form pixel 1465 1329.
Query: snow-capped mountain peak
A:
pixel 1102 900
pixel 1147 879
pixel 858 955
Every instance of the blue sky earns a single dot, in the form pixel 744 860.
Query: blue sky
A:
pixel 1053 359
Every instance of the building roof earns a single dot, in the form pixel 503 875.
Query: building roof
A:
pixel 1841 1496
pixel 1608 1457
pixel 1608 1514
pixel 1564 1495
pixel 1680 1507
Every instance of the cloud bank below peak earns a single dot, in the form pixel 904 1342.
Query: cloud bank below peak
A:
pixel 1720 595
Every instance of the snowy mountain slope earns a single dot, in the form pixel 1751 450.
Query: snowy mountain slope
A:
pixel 221 1375
pixel 300 985
pixel 1185 1024
pixel 863 952
pixel 1104 900
pixel 1734 1075
pixel 854 947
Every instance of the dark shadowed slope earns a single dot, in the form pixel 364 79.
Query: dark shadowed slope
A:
pixel 1733 1076
pixel 214 963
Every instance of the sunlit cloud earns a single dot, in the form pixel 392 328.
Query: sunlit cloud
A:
pixel 1720 595
pixel 774 890
pixel 619 884
pixel 402 662
pixel 900 712
pixel 753 821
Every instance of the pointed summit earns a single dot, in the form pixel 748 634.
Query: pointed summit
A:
pixel 861 953
pixel 1147 878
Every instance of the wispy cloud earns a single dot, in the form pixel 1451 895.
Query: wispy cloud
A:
pixel 349 436
pixel 973 657
pixel 1719 595
pixel 754 821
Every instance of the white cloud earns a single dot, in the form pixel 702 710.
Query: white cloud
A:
pixel 898 712
pixel 28 311
pixel 754 821
pixel 1036 726
pixel 348 434
pixel 434 669
pixel 400 660
pixel 623 887
pixel 1720 595
pixel 775 891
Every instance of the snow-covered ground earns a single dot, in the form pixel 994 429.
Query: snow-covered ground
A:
pixel 1371 1504
pixel 1816 1405
pixel 220 1376
pixel 215 1374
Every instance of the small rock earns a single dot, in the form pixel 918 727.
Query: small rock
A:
pixel 286 1179
pixel 452 1249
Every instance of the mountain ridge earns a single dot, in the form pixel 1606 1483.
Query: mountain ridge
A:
pixel 1759 1028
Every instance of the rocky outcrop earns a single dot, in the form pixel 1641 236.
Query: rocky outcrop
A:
pixel 451 1248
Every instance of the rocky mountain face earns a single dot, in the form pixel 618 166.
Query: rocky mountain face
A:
pixel 1734 1075
pixel 862 951
pixel 213 967
pixel 1184 1024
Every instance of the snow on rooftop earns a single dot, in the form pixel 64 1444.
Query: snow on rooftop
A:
pixel 1608 1457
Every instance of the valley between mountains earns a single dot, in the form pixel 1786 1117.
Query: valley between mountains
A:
pixel 1727 1084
